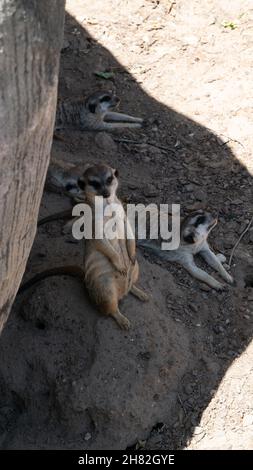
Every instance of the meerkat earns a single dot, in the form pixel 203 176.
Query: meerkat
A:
pixel 195 229
pixel 94 114
pixel 110 268
pixel 62 177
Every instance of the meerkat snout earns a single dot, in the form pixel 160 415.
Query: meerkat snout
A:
pixel 105 193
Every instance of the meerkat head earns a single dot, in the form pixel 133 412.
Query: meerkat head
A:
pixel 101 101
pixel 72 187
pixel 196 227
pixel 99 180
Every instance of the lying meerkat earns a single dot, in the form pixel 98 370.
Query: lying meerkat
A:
pixel 62 177
pixel 195 229
pixel 110 268
pixel 93 114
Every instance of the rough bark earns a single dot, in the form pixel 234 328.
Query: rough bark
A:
pixel 30 41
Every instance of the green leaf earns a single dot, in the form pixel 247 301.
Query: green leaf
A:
pixel 229 24
pixel 105 75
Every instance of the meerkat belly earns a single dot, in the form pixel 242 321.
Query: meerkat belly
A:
pixel 124 283
pixel 96 265
pixel 101 275
pixel 120 247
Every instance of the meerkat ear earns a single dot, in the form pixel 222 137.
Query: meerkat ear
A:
pixel 116 173
pixel 81 183
pixel 189 238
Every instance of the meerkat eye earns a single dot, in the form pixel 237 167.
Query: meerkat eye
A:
pixel 200 220
pixel 95 184
pixel 70 186
pixel 105 99
pixel 116 173
pixel 109 180
pixel 81 183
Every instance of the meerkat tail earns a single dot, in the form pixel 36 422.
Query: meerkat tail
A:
pixel 74 271
pixel 67 214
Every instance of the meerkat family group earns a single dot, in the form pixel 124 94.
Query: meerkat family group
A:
pixel 110 269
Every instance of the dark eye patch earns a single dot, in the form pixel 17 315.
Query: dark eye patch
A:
pixel 200 220
pixel 95 184
pixel 81 183
pixel 105 99
pixel 109 180
pixel 70 186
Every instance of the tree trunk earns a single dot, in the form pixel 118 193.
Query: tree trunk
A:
pixel 30 41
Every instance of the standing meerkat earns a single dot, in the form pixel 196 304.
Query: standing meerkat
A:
pixel 195 229
pixel 110 268
pixel 94 114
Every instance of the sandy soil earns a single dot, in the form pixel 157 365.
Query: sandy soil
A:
pixel 70 378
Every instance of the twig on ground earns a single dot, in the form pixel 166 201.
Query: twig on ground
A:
pixel 238 241
pixel 171 6
pixel 231 140
pixel 181 403
pixel 136 142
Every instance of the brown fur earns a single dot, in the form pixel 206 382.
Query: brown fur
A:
pixel 110 268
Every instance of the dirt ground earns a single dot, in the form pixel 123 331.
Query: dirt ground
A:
pixel 70 378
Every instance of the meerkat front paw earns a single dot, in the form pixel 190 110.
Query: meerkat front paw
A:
pixel 229 279
pixel 218 286
pixel 132 259
pixel 120 267
pixel 213 283
pixel 221 258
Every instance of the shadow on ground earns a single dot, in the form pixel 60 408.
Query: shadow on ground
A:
pixel 70 378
